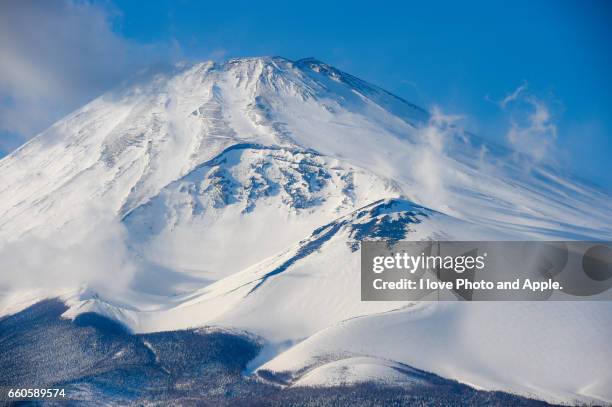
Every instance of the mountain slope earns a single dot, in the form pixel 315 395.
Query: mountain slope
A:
pixel 306 303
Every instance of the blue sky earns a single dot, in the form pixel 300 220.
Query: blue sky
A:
pixel 464 57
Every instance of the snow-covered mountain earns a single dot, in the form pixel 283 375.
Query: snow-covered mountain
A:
pixel 239 192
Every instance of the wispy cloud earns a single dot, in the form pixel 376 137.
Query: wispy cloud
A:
pixel 532 130
pixel 84 252
pixel 512 97
pixel 56 56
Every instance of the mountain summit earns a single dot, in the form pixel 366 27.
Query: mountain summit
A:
pixel 137 139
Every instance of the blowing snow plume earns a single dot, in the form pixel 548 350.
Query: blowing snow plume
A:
pixel 433 168
pixel 89 251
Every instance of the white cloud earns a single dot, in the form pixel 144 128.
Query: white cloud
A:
pixel 513 96
pixel 56 56
pixel 91 251
pixel 532 128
